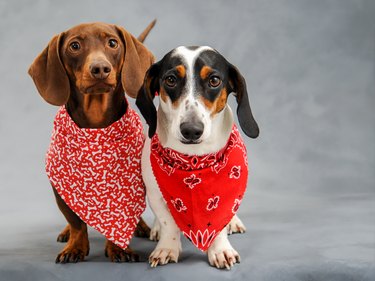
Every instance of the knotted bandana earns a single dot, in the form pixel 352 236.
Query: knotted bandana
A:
pixel 97 173
pixel 202 192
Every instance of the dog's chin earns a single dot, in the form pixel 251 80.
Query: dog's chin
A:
pixel 99 89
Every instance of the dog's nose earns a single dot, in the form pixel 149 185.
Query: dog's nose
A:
pixel 191 131
pixel 100 70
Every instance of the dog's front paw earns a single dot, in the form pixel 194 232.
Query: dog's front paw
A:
pixel 236 226
pixel 162 256
pixel 116 254
pixel 223 258
pixel 72 254
pixel 64 235
pixel 155 231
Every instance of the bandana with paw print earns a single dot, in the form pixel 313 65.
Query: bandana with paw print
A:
pixel 97 173
pixel 202 192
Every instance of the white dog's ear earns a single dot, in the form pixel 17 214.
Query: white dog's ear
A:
pixel 145 98
pixel 245 116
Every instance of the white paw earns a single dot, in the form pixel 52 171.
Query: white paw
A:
pixel 223 258
pixel 162 256
pixel 155 231
pixel 236 226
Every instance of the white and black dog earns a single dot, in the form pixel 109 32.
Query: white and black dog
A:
pixel 193 119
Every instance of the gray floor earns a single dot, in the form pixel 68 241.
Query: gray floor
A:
pixel 309 66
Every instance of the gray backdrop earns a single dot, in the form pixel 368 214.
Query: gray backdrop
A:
pixel 309 66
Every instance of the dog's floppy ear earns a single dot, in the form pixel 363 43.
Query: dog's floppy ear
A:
pixel 137 60
pixel 49 74
pixel 245 116
pixel 146 96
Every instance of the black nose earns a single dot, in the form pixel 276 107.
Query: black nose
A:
pixel 191 131
pixel 100 70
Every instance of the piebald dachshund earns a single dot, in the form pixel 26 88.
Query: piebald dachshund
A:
pixel 193 118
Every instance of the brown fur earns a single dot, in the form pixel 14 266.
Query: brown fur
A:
pixel 218 104
pixel 205 71
pixel 181 71
pixel 163 95
pixel 116 254
pixel 64 235
pixel 63 76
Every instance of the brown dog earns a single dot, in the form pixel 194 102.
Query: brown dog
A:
pixel 87 68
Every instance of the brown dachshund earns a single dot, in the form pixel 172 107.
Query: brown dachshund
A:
pixel 87 68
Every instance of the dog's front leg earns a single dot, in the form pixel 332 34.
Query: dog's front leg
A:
pixel 155 230
pixel 169 245
pixel 78 244
pixel 221 253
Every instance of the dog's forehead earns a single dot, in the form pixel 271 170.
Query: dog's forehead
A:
pixel 170 61
pixel 188 55
pixel 211 58
pixel 194 58
pixel 96 29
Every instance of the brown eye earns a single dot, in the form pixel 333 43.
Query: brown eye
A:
pixel 170 81
pixel 113 43
pixel 214 81
pixel 74 46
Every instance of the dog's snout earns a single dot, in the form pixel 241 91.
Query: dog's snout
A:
pixel 100 69
pixel 191 131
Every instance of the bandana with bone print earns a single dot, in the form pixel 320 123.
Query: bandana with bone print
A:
pixel 202 192
pixel 97 173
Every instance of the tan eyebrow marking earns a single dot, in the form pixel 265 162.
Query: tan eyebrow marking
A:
pixel 205 71
pixel 181 71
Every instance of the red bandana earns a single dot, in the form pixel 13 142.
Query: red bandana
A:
pixel 202 192
pixel 97 173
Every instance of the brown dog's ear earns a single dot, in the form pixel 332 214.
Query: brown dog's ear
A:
pixel 146 96
pixel 245 116
pixel 49 74
pixel 137 60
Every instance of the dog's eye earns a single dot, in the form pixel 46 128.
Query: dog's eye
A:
pixel 170 81
pixel 214 81
pixel 112 43
pixel 74 46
